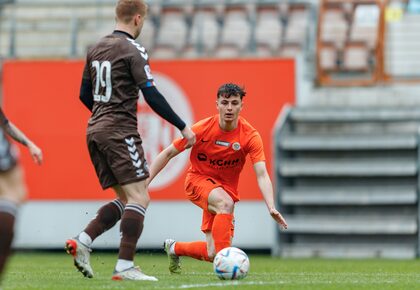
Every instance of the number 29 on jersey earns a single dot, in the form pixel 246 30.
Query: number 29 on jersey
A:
pixel 103 86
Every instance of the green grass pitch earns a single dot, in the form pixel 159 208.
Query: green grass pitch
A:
pixel 55 271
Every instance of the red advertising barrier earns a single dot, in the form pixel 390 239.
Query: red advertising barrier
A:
pixel 41 98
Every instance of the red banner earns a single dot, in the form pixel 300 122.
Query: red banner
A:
pixel 41 98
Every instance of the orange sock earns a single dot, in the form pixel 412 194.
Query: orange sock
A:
pixel 196 250
pixel 222 231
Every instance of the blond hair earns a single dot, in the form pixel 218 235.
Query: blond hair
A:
pixel 127 9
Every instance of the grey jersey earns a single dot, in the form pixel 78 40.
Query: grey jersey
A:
pixel 8 154
pixel 117 68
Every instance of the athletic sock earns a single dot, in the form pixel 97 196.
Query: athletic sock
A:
pixel 8 211
pixel 196 250
pixel 222 231
pixel 123 265
pixel 106 217
pixel 85 239
pixel 131 227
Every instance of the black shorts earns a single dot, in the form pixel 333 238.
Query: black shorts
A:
pixel 8 153
pixel 118 157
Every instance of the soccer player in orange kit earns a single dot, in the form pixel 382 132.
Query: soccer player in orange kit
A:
pixel 217 158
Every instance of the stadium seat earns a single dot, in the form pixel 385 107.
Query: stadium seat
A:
pixel 236 29
pixel 186 6
pixel 356 57
pixel 290 49
pixel 163 51
pixel 297 24
pixel 191 52
pixel 334 26
pixel 328 57
pixel 205 29
pixel 365 28
pixel 173 28
pixel 147 36
pixel 263 50
pixel 268 28
pixel 227 51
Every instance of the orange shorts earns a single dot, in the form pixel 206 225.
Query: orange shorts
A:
pixel 197 190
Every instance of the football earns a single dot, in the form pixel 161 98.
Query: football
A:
pixel 231 264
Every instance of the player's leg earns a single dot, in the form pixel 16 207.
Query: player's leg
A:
pixel 222 205
pixel 131 228
pixel 211 251
pixel 12 193
pixel 106 217
pixel 174 250
pixel 197 191
pixel 200 250
pixel 215 226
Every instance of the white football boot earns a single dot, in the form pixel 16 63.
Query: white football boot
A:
pixel 133 273
pixel 174 261
pixel 81 256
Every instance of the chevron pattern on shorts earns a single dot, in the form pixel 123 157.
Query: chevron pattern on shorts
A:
pixel 134 155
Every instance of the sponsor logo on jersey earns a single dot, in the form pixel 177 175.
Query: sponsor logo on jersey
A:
pixel 148 72
pixel 224 163
pixel 222 143
pixel 236 146
pixel 202 157
pixel 218 163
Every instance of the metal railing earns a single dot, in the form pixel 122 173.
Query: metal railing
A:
pixel 280 128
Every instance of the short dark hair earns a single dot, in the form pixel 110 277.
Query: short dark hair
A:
pixel 230 89
pixel 126 9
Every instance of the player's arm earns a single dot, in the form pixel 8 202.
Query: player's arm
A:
pixel 141 73
pixel 159 104
pixel 86 96
pixel 20 137
pixel 161 160
pixel 266 188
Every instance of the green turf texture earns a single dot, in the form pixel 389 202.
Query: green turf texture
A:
pixel 56 271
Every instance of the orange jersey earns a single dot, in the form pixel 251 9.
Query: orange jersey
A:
pixel 221 155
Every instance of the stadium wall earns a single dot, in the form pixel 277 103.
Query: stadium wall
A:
pixel 41 97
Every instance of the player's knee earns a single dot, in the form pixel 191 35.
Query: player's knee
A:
pixel 225 205
pixel 16 194
pixel 140 199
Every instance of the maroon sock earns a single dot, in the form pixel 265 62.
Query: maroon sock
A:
pixel 106 217
pixel 8 212
pixel 131 228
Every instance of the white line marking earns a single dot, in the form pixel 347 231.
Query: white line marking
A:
pixel 224 284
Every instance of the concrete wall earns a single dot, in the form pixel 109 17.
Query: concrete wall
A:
pixel 48 224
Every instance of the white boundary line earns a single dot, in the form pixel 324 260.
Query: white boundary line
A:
pixel 224 284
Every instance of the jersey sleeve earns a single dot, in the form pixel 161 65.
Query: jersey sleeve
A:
pixel 179 143
pixel 256 148
pixel 86 72
pixel 140 68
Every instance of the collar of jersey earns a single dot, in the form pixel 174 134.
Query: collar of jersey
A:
pixel 122 32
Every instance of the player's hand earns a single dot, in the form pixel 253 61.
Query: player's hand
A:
pixel 36 153
pixel 189 136
pixel 278 217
